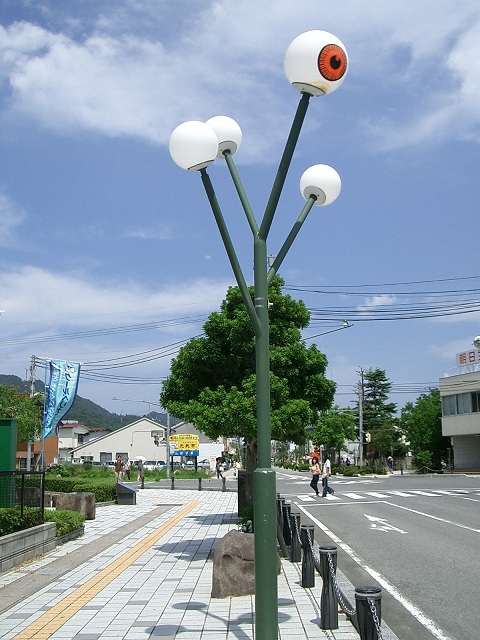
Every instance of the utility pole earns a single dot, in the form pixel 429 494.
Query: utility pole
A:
pixel 360 417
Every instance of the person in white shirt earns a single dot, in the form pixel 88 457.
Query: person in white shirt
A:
pixel 326 472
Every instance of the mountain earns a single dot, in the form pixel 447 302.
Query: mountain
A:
pixel 83 410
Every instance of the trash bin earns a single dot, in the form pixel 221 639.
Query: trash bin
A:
pixel 125 494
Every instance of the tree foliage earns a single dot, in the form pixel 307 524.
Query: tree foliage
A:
pixel 212 380
pixel 379 414
pixel 422 422
pixel 27 412
pixel 334 427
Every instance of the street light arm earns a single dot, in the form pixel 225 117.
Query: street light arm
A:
pixel 230 249
pixel 291 237
pixel 241 192
pixel 284 165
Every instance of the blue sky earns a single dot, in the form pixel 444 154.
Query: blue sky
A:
pixel 109 253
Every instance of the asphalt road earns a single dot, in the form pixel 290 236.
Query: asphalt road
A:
pixel 416 537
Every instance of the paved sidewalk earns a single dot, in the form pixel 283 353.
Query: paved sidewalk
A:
pixel 145 571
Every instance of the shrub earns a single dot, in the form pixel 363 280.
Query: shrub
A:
pixel 11 520
pixel 66 521
pixel 104 490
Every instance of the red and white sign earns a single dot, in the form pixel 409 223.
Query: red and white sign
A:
pixel 468 357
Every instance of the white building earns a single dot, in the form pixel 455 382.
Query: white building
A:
pixel 144 437
pixel 460 393
pixel 71 434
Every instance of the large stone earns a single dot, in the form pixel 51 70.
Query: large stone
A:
pixel 82 502
pixel 234 566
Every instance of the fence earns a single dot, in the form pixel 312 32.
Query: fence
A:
pixel 296 541
pixel 23 490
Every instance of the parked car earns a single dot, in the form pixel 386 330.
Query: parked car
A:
pixel 205 463
pixel 153 465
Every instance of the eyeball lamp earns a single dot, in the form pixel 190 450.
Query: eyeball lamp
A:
pixel 321 181
pixel 316 62
pixel 193 145
pixel 228 132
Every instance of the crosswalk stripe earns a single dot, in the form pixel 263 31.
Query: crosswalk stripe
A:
pixel 375 494
pixel 425 493
pixel 354 496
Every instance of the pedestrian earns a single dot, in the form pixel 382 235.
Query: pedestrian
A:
pixel 140 471
pixel 390 464
pixel 315 469
pixel 126 469
pixel 326 472
pixel 218 468
pixel 118 468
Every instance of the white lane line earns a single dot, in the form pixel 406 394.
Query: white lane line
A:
pixel 425 493
pixel 405 602
pixel 428 515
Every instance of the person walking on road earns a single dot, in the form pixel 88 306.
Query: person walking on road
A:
pixel 315 469
pixel 118 468
pixel 390 464
pixel 218 468
pixel 326 472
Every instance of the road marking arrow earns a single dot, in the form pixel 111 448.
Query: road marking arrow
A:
pixel 382 525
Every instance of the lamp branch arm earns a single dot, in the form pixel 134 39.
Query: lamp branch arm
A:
pixel 241 192
pixel 230 249
pixel 284 165
pixel 291 237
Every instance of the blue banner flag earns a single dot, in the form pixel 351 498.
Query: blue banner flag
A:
pixel 60 394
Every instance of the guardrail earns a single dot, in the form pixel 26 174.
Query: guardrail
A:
pixel 294 539
pixel 21 489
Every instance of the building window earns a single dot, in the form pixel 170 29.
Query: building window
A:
pixel 463 403
pixel 80 438
pixel 475 401
pixel 449 407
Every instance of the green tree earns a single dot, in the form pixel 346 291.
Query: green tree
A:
pixel 27 411
pixel 212 380
pixel 379 419
pixel 334 426
pixel 422 422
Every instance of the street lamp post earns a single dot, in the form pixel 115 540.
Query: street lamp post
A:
pixel 315 64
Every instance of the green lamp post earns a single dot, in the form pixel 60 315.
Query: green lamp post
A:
pixel 315 64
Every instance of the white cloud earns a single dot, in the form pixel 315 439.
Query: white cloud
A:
pixel 38 300
pixel 121 80
pixel 377 301
pixel 11 217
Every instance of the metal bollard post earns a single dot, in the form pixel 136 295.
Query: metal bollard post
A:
pixel 286 522
pixel 295 547
pixel 328 602
pixel 199 484
pixel 173 483
pixel 308 562
pixel 369 612
pixel 142 486
pixel 224 486
pixel 280 503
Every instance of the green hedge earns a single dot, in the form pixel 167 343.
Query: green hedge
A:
pixel 66 521
pixel 11 520
pixel 104 490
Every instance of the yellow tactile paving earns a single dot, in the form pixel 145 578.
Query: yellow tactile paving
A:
pixel 52 620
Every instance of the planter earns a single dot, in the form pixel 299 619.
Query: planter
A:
pixel 20 546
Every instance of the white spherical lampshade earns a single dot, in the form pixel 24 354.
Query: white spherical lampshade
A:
pixel 321 181
pixel 316 62
pixel 476 342
pixel 193 145
pixel 228 132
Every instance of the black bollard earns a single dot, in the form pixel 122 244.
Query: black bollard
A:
pixel 308 562
pixel 199 484
pixel 287 536
pixel 369 606
pixel 295 546
pixel 224 486
pixel 173 483
pixel 280 503
pixel 328 602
